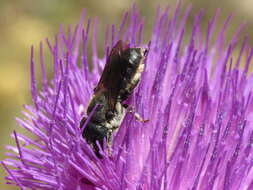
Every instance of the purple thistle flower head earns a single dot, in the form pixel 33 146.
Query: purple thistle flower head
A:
pixel 197 96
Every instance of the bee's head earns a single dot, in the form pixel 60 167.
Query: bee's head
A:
pixel 135 56
pixel 133 67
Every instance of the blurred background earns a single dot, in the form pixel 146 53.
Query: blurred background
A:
pixel 27 22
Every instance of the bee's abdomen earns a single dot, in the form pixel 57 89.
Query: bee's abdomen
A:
pixel 93 133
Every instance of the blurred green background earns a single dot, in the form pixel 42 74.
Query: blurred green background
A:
pixel 27 22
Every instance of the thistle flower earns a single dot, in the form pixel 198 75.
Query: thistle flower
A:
pixel 197 96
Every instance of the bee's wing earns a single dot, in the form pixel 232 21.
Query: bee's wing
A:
pixel 112 76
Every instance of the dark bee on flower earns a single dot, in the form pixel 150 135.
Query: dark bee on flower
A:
pixel 120 76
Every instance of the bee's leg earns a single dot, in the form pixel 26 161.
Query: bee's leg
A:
pixel 136 115
pixel 109 142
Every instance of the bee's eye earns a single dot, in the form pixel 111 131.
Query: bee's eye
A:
pixel 134 57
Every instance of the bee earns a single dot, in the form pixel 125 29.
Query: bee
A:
pixel 120 76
